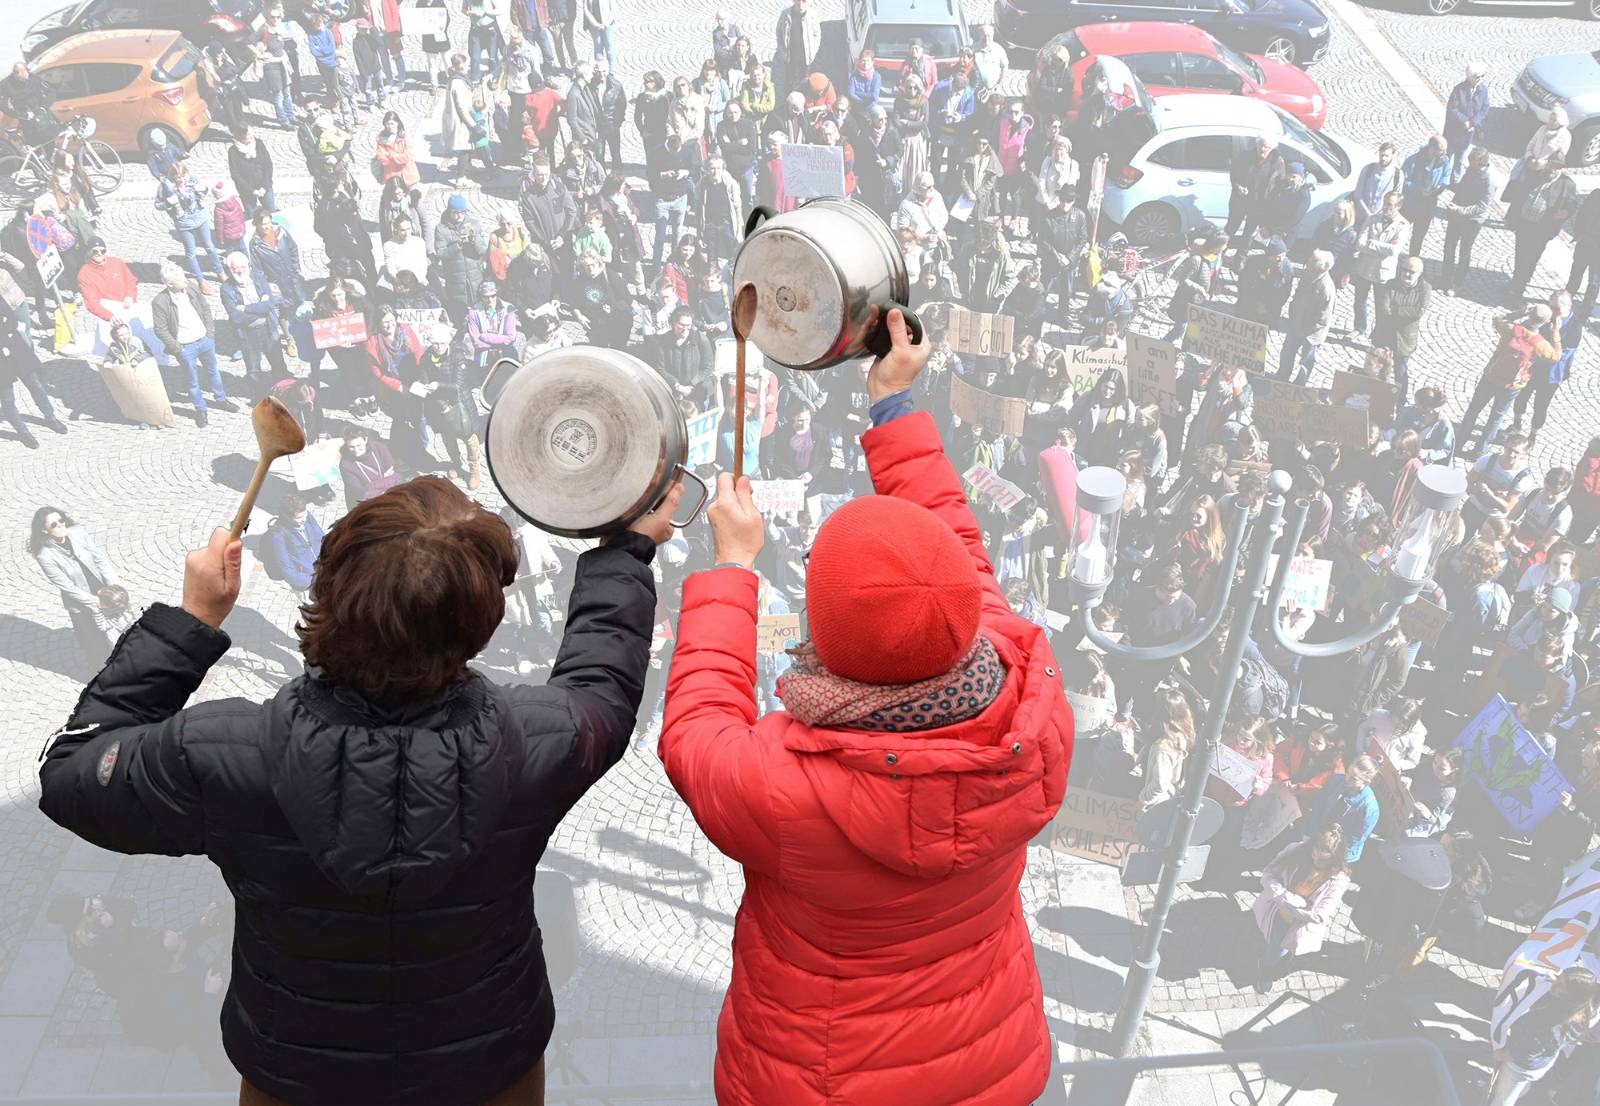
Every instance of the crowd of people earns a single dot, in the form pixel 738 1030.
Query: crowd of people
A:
pixel 990 196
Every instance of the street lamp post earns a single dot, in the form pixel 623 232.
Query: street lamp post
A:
pixel 1091 543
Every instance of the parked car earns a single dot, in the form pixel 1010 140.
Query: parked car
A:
pixel 1178 179
pixel 1573 81
pixel 1590 8
pixel 197 20
pixel 1176 58
pixel 886 27
pixel 132 83
pixel 1294 31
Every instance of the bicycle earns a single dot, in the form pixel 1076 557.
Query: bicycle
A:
pixel 26 171
pixel 1142 273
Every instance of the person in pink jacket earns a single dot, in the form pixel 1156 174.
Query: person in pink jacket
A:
pixel 880 954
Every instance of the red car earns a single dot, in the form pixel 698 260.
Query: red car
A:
pixel 1176 57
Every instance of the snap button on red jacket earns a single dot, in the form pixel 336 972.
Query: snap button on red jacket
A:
pixel 880 955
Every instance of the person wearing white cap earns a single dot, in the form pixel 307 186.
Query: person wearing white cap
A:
pixel 1464 117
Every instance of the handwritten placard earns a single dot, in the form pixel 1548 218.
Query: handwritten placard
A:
pixel 993 487
pixel 1095 826
pixel 980 332
pixel 1308 583
pixel 1423 620
pixel 1089 712
pixel 810 171
pixel 776 632
pixel 317 464
pixel 339 331
pixel 1236 770
pixel 703 439
pixel 1378 398
pixel 1153 372
pixel 999 414
pixel 778 497
pixel 434 22
pixel 1085 366
pixel 1224 339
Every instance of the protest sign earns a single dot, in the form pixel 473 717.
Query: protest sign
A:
pixel 1235 769
pixel 979 332
pixel 1238 468
pixel 1377 398
pixel 1086 366
pixel 1095 826
pixel 1423 620
pixel 1511 769
pixel 997 414
pixel 1293 412
pixel 317 464
pixel 426 21
pixel 810 171
pixel 778 497
pixel 1153 372
pixel 1394 795
pixel 338 331
pixel 1268 816
pixel 1308 582
pixel 993 487
pixel 1560 941
pixel 1089 713
pixel 422 319
pixel 703 439
pixel 776 632
pixel 1224 339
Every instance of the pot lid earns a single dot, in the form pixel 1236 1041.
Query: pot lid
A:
pixel 800 300
pixel 577 441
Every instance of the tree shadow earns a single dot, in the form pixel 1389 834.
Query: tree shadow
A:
pixel 234 470
pixel 51 648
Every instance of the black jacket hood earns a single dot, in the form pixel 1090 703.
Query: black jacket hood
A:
pixel 389 801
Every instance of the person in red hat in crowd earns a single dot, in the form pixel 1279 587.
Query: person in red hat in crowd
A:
pixel 883 817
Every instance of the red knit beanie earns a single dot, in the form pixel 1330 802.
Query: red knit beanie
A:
pixel 892 594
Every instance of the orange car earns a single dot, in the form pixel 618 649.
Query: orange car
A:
pixel 131 83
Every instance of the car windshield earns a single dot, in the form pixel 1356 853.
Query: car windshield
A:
pixel 177 63
pixel 1243 64
pixel 892 41
pixel 1307 139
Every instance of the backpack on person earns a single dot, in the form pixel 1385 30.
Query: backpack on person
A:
pixel 1261 692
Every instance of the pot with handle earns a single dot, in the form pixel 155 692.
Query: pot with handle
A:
pixel 826 276
pixel 584 441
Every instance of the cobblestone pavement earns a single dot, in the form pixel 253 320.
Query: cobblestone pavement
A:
pixel 655 900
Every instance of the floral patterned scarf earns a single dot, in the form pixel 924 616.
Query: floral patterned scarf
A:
pixel 817 697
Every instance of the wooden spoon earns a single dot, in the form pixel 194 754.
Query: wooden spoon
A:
pixel 277 435
pixel 744 318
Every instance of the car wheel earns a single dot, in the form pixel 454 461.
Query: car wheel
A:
pixel 1154 224
pixel 147 145
pixel 1442 7
pixel 1586 144
pixel 1281 48
pixel 1594 9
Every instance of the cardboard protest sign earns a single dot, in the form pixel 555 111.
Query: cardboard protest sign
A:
pixel 426 21
pixel 703 439
pixel 338 331
pixel 1560 941
pixel 1001 414
pixel 778 497
pixel 980 332
pixel 1095 826
pixel 1394 796
pixel 1086 366
pixel 1377 397
pixel 1423 620
pixel 1152 372
pixel 1089 712
pixel 1238 468
pixel 1511 769
pixel 1224 339
pixel 1235 769
pixel 776 632
pixel 810 171
pixel 993 487
pixel 317 464
pixel 1296 413
pixel 1268 816
pixel 1309 581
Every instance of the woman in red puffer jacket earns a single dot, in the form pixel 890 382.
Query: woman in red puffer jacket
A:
pixel 1584 498
pixel 880 955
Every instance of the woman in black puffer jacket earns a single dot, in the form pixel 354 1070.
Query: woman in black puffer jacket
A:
pixel 380 819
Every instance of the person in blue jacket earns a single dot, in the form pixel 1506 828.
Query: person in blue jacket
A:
pixel 1426 173
pixel 1464 117
pixel 292 542
pixel 1348 802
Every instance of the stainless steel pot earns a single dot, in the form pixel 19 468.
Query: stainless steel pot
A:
pixel 583 441
pixel 826 276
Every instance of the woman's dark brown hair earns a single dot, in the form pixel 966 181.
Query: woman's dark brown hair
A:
pixel 408 588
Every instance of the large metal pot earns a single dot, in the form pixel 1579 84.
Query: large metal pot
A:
pixel 826 276
pixel 583 441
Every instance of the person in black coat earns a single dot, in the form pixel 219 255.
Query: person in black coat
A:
pixel 379 821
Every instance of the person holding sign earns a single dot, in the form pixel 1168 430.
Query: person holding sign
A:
pixel 909 636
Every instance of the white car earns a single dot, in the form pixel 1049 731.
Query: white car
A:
pixel 1178 180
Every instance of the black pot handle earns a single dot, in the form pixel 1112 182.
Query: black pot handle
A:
pixel 881 343
pixel 759 214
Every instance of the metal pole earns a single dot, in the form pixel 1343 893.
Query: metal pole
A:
pixel 1142 972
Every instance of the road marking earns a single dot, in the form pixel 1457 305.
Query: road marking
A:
pixel 1398 69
